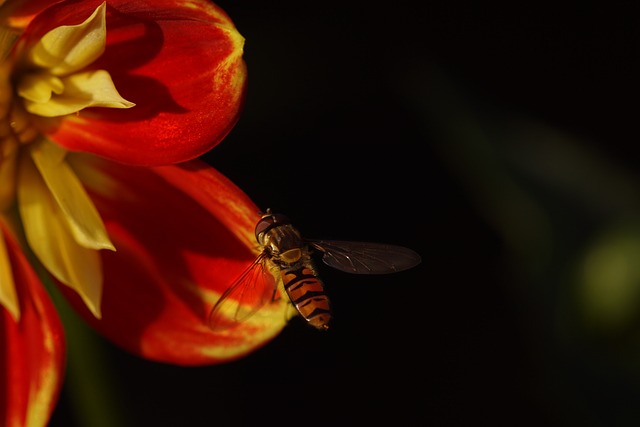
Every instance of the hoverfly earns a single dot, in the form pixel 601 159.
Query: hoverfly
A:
pixel 286 256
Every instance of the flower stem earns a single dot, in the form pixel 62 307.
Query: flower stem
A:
pixel 91 381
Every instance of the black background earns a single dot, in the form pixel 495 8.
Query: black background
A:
pixel 341 133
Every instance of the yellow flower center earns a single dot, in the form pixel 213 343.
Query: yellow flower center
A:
pixel 39 85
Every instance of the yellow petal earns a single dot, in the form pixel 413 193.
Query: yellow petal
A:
pixel 79 211
pixel 39 87
pixel 8 297
pixel 69 48
pixel 48 234
pixel 81 90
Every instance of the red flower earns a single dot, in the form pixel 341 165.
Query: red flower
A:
pixel 182 234
pixel 100 102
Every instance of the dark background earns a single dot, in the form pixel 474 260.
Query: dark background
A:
pixel 450 128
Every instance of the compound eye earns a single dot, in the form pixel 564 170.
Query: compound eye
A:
pixel 269 221
pixel 264 225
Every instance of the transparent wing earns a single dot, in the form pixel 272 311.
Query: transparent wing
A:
pixel 365 257
pixel 255 287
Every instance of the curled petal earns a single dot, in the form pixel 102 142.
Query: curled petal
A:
pixel 180 62
pixel 183 234
pixel 69 48
pixel 71 94
pixel 39 87
pixel 33 352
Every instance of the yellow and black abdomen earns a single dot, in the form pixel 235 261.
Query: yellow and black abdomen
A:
pixel 306 292
pixel 290 254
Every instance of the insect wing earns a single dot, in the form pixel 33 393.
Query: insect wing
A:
pixel 252 290
pixel 366 257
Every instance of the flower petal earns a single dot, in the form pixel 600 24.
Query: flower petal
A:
pixel 18 13
pixel 8 163
pixel 74 93
pixel 8 36
pixel 180 62
pixel 79 212
pixel 39 88
pixel 183 233
pixel 8 295
pixel 69 48
pixel 48 233
pixel 33 348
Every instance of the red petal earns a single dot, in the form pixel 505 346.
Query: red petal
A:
pixel 33 349
pixel 181 232
pixel 19 13
pixel 177 61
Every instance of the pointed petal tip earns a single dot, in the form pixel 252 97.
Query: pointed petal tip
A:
pixel 93 307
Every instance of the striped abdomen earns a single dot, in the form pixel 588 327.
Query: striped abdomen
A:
pixel 306 292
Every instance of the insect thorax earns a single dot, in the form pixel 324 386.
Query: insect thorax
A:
pixel 284 246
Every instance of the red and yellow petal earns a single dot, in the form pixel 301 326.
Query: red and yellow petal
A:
pixel 32 360
pixel 180 62
pixel 182 235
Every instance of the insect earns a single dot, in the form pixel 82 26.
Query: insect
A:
pixel 286 256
